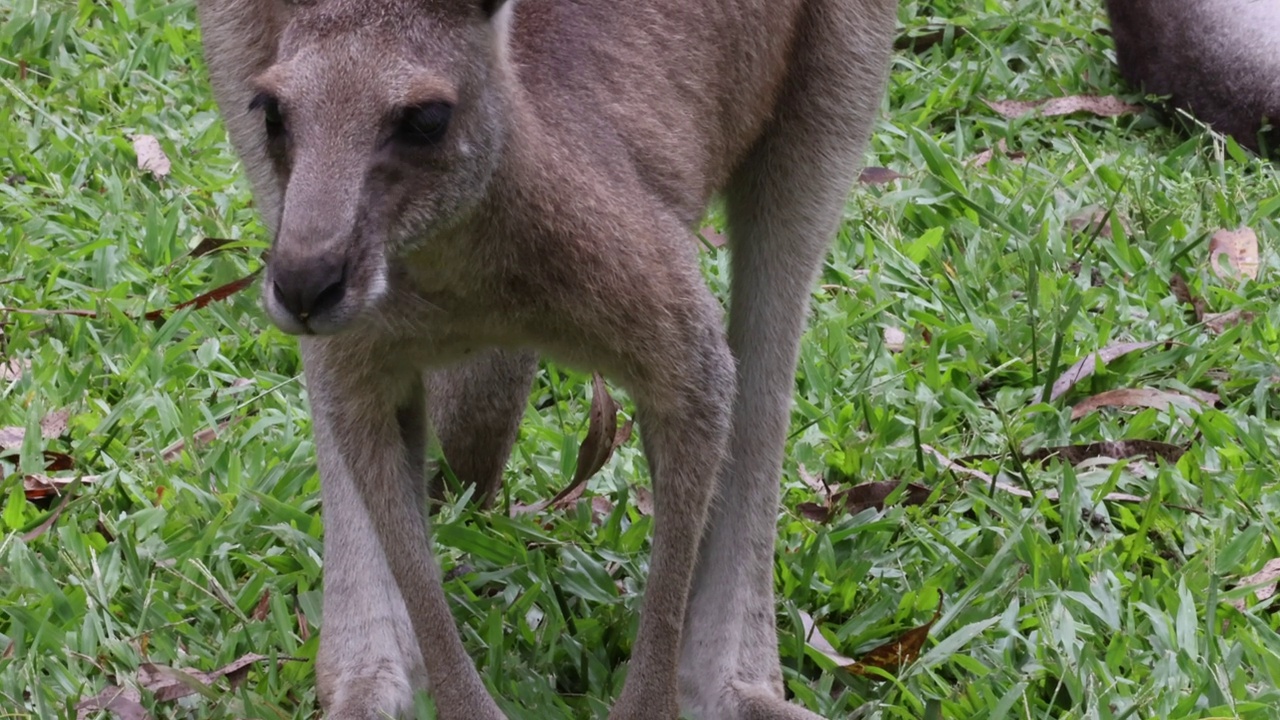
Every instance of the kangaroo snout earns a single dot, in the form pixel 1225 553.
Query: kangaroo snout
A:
pixel 303 291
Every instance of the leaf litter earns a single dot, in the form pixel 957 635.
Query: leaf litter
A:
pixel 604 436
pixel 888 658
pixel 1142 397
pixel 1086 366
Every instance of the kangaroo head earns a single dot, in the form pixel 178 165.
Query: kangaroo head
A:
pixel 383 124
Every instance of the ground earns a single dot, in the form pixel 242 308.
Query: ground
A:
pixel 1079 586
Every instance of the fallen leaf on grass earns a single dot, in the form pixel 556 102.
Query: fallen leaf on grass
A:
pixel 203 437
pixel 877 176
pixel 1265 582
pixel 897 653
pixel 601 508
pixel 48 522
pixel 895 340
pixel 1140 397
pixel 928 36
pixel 40 487
pixel 1095 218
pixel 1240 248
pixel 11 370
pixel 124 702
pixel 1183 294
pixel 713 237
pixel 51 426
pixel 985 155
pixel 1118 449
pixel 644 500
pixel 208 246
pixel 860 497
pixel 150 157
pixel 890 657
pixel 991 482
pixel 1218 323
pixel 169 684
pixel 603 437
pixel 53 461
pixel 219 293
pixel 1102 106
pixel 1088 364
pixel 263 608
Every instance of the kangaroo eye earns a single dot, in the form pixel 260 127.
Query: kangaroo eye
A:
pixel 424 124
pixel 272 116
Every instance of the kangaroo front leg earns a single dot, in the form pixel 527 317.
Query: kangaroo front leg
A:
pixel 381 581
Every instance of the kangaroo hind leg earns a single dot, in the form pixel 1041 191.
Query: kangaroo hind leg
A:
pixel 783 205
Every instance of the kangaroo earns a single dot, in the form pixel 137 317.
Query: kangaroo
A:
pixel 455 187
pixel 1217 59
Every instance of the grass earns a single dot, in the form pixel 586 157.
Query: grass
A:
pixel 1060 605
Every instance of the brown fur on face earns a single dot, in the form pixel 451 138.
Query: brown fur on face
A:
pixel 455 185
pixel 1217 59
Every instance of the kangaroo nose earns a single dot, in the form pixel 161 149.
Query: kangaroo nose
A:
pixel 310 287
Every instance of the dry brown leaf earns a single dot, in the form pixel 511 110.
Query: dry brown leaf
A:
pixel 304 627
pixel 123 702
pixel 817 512
pixel 1140 397
pixel 208 246
pixel 219 293
pixel 597 447
pixel 928 36
pixel 713 237
pixel 169 684
pixel 860 497
pixel 263 608
pixel 877 175
pixel 991 482
pixel 1218 323
pixel 38 487
pixel 897 653
pixel 201 438
pixel 12 437
pixel 895 340
pixel 1095 218
pixel 644 500
pixel 985 155
pixel 1102 106
pixel 1265 582
pixel 1240 248
pixel 48 522
pixel 150 157
pixel 11 370
pixel 603 437
pixel 601 508
pixel 816 483
pixel 1086 365
pixel 52 426
pixel 1182 293
pixel 1118 449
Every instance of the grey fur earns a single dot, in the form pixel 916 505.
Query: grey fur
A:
pixel 1217 59
pixel 556 215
